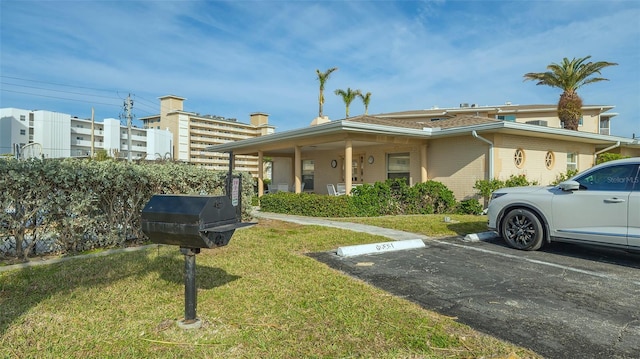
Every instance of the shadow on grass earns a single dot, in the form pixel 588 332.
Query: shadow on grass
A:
pixel 24 288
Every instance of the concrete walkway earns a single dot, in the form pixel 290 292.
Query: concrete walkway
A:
pixel 393 234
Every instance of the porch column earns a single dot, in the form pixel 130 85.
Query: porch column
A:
pixel 423 163
pixel 297 158
pixel 260 174
pixel 348 163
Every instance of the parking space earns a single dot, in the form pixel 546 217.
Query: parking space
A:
pixel 564 301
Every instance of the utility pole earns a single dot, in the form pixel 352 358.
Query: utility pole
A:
pixel 128 105
pixel 92 133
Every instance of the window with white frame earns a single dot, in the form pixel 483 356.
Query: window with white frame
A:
pixel 572 161
pixel 604 125
pixel 308 173
pixel 398 166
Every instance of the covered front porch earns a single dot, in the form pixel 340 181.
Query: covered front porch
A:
pixel 338 152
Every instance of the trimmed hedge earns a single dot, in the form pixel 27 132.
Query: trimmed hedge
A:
pixel 85 204
pixel 392 197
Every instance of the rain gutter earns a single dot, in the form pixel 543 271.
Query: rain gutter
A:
pixel 475 134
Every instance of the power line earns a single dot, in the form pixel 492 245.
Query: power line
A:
pixel 46 89
pixel 151 107
pixel 57 84
pixel 60 98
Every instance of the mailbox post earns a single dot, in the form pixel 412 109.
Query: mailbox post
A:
pixel 191 222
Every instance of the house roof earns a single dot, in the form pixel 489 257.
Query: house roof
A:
pixel 460 121
pixel 497 109
pixel 373 130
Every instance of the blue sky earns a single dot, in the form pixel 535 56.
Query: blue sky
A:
pixel 238 57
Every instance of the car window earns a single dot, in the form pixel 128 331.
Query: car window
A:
pixel 613 178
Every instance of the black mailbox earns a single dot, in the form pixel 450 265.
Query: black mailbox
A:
pixel 190 221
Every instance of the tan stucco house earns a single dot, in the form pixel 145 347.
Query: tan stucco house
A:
pixel 455 146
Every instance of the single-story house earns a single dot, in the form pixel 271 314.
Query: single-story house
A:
pixel 454 146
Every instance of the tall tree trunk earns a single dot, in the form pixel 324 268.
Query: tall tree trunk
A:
pixel 570 110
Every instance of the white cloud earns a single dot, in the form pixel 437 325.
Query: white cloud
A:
pixel 234 58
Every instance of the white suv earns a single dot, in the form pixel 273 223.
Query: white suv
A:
pixel 598 206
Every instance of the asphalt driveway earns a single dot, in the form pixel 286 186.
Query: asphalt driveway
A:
pixel 565 301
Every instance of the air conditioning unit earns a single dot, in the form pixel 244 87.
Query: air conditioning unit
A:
pixel 537 123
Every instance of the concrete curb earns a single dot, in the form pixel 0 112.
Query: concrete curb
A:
pixel 483 236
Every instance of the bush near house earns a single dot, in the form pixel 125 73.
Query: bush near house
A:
pixel 392 197
pixel 487 187
pixel 608 156
pixel 76 205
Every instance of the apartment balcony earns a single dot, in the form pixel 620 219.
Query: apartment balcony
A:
pixel 218 127
pixel 134 148
pixel 85 143
pixel 221 132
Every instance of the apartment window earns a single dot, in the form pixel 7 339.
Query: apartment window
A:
pixel 549 160
pixel 572 161
pixel 23 132
pixel 307 173
pixel 398 166
pixel 510 118
pixel 23 118
pixel 518 158
pixel 604 126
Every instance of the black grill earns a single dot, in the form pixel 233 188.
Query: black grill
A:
pixel 192 222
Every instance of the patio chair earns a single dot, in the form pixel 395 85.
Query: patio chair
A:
pixel 342 189
pixel 332 190
pixel 283 187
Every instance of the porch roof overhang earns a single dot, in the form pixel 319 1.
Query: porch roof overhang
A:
pixel 331 136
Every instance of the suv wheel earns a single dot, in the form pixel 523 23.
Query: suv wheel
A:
pixel 522 229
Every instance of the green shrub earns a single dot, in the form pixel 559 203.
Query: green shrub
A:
pixel 564 176
pixel 469 206
pixel 86 204
pixel 391 197
pixel 608 156
pixel 430 197
pixel 519 181
pixel 487 187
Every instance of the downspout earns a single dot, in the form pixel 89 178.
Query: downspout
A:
pixel 595 155
pixel 475 134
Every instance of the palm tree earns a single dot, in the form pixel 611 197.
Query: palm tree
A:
pixel 322 78
pixel 348 97
pixel 366 98
pixel 570 76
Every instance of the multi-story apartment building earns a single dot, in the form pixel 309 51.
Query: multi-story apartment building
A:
pixel 58 135
pixel 193 133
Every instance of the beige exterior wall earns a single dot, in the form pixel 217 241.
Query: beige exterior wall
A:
pixel 629 152
pixel 535 151
pixel 458 162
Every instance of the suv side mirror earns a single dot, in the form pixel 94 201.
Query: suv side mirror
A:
pixel 569 186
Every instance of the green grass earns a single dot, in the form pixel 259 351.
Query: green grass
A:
pixel 432 225
pixel 258 297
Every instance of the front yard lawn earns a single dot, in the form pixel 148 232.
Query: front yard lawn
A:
pixel 258 297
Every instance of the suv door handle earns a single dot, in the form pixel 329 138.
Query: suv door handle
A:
pixel 614 200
